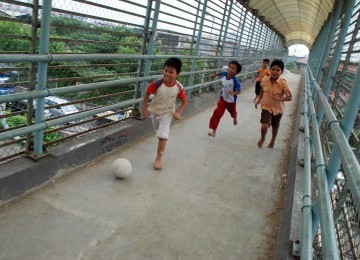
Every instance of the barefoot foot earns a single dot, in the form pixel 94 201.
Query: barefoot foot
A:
pixel 157 165
pixel 211 134
pixel 235 121
pixel 271 145
pixel 260 143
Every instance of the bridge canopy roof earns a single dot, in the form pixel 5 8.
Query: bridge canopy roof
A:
pixel 299 21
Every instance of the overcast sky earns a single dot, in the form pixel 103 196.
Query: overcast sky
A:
pixel 298 50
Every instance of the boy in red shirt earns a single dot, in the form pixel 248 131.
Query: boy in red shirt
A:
pixel 162 108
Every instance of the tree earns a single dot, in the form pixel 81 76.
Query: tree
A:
pixel 16 43
pixel 292 66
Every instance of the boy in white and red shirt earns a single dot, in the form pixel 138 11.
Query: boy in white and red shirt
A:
pixel 228 95
pixel 163 107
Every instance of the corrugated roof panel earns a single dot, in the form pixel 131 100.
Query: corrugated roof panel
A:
pixel 299 21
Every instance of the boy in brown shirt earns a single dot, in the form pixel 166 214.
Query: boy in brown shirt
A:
pixel 274 92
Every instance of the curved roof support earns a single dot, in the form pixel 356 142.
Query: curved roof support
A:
pixel 299 21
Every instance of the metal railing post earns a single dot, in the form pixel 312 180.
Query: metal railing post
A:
pixel 42 74
pixel 241 33
pixel 259 36
pixel 237 51
pixel 265 40
pixel 197 46
pixel 150 46
pixel 140 65
pixel 249 40
pixel 32 70
pixel 222 38
pixel 328 34
pixel 336 57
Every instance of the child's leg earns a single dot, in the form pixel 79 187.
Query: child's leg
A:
pixel 264 129
pixel 232 110
pixel 218 113
pixel 163 134
pixel 159 154
pixel 275 123
pixel 274 134
pixel 265 121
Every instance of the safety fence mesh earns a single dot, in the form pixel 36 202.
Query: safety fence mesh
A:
pixel 129 29
pixel 345 211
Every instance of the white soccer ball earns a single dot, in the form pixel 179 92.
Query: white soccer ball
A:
pixel 121 168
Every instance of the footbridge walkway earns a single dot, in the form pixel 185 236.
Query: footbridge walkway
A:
pixel 216 198
pixel 73 75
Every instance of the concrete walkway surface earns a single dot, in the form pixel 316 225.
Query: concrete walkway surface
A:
pixel 216 198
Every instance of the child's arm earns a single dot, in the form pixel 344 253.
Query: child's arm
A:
pixel 212 76
pixel 286 96
pixel 177 114
pixel 282 98
pixel 145 104
pixel 235 93
pixel 257 101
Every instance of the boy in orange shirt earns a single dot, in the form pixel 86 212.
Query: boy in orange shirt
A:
pixel 163 107
pixel 261 73
pixel 274 92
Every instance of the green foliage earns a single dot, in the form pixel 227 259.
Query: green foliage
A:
pixel 292 66
pixel 101 38
pixel 11 44
pixel 50 137
pixel 8 44
pixel 57 47
pixel 17 120
pixel 81 36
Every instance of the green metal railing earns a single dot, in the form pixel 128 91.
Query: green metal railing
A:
pixel 99 59
pixel 331 204
pixel 320 211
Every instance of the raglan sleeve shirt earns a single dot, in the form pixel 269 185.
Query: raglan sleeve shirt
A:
pixel 151 89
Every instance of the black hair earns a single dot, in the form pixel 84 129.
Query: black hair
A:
pixel 174 63
pixel 279 63
pixel 266 60
pixel 237 64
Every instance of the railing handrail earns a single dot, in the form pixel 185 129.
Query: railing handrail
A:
pixel 84 87
pixel 322 206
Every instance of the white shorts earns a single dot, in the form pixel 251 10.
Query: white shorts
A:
pixel 161 124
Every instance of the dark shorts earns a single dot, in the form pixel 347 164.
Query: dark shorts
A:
pixel 269 119
pixel 257 88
